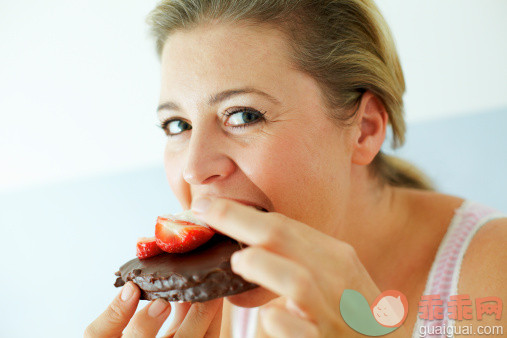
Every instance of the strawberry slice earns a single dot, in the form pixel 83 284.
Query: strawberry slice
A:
pixel 181 233
pixel 147 247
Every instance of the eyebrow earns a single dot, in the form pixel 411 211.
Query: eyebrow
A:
pixel 224 95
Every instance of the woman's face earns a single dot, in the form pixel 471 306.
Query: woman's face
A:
pixel 246 125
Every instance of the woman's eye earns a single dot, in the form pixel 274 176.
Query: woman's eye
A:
pixel 175 127
pixel 235 119
pixel 243 117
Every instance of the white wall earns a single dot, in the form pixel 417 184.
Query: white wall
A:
pixel 79 80
pixel 453 53
pixel 78 86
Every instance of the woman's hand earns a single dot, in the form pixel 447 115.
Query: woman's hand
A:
pixel 120 317
pixel 307 268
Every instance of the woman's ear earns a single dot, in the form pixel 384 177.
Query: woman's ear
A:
pixel 371 127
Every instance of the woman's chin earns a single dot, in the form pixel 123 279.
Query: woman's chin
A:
pixel 252 298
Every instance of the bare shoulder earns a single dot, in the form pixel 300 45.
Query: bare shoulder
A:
pixel 483 272
pixel 483 266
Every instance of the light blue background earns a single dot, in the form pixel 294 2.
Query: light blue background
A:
pixel 465 156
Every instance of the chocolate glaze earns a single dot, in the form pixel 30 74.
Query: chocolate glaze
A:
pixel 199 275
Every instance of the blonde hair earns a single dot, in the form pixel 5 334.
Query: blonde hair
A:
pixel 345 45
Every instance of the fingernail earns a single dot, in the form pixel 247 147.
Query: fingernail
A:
pixel 127 292
pixel 157 307
pixel 201 205
pixel 235 258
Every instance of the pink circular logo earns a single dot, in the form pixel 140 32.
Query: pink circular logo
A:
pixel 390 308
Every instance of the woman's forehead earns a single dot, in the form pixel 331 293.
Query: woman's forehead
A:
pixel 228 52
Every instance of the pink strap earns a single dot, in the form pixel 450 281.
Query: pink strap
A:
pixel 444 275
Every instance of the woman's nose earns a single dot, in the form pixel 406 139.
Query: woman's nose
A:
pixel 207 160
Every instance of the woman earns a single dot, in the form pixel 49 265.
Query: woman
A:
pixel 284 105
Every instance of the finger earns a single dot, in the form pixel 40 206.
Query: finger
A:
pixel 282 276
pixel 198 319
pixel 253 227
pixel 278 322
pixel 216 324
pixel 180 311
pixel 278 233
pixel 117 315
pixel 148 321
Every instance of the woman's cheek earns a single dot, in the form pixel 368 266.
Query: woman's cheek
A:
pixel 283 183
pixel 173 166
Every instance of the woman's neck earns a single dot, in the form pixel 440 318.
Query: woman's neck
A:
pixel 395 231
pixel 375 221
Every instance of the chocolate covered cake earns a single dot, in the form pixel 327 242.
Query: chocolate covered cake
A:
pixel 195 276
